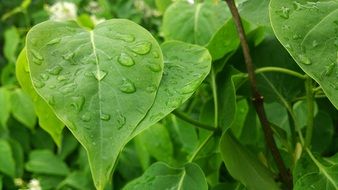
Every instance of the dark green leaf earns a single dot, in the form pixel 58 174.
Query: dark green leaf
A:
pixel 308 30
pixel 161 176
pixel 5 106
pixel 7 162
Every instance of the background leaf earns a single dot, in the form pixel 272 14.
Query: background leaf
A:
pixel 308 30
pixel 161 176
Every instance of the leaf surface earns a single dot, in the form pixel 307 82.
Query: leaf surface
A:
pixel 185 68
pixel 193 23
pixel 47 119
pixel 244 167
pixel 162 176
pixel 5 103
pixel 100 83
pixel 308 30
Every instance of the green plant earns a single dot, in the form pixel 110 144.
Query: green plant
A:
pixel 179 106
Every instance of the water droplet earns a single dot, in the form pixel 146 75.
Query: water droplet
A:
pixel 127 86
pixel 121 121
pixel 99 74
pixel 44 76
pixel 55 70
pixel 155 67
pixel 51 100
pixel 68 88
pixel 105 117
pixel 54 41
pixel 124 37
pixel 77 103
pixel 37 55
pixel 86 117
pixel 284 12
pixel 52 86
pixel 155 54
pixel 173 103
pixel 62 78
pixel 151 88
pixel 68 56
pixel 141 48
pixel 296 37
pixel 125 60
pixel 334 85
pixel 297 6
pixel 314 43
pixel 38 84
pixel 304 60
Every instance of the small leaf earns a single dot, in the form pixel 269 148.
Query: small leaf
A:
pixel 185 67
pixel 45 162
pixel 23 108
pixel 243 166
pixel 308 30
pixel 193 23
pixel 5 106
pixel 7 163
pixel 47 119
pixel 162 176
pixel 316 173
pixel 12 40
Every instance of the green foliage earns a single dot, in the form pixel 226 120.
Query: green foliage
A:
pixel 154 94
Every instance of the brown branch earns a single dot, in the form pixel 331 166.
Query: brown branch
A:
pixel 257 99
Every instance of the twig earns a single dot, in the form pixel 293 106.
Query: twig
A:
pixel 194 122
pixel 258 99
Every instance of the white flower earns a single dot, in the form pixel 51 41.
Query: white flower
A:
pixel 34 184
pixel 61 11
pixel 191 1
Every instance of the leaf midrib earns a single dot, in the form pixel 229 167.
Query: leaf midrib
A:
pixel 92 41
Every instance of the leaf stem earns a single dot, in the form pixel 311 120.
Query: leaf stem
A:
pixel 310 105
pixel 214 93
pixel 280 70
pixel 194 122
pixel 258 99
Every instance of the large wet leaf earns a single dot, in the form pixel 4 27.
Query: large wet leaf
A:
pixel 243 166
pixel 47 119
pixel 194 23
pixel 185 68
pixel 162 176
pixel 309 31
pixel 316 173
pixel 100 83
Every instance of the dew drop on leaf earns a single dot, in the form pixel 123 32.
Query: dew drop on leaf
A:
pixel 329 69
pixel 62 78
pixel 77 103
pixel 54 41
pixel 68 88
pixel 44 76
pixel 37 55
pixel 284 12
pixel 125 60
pixel 314 43
pixel 154 67
pixel 156 55
pixel 151 88
pixel 52 86
pixel 304 60
pixel 39 84
pixel 55 70
pixel 68 56
pixel 124 37
pixel 105 117
pixel 51 100
pixel 99 74
pixel 141 48
pixel 296 37
pixel 86 117
pixel 121 121
pixel 127 86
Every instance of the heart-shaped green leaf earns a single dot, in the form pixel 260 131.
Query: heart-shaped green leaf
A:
pixel 47 119
pixel 309 31
pixel 194 23
pixel 162 176
pixel 100 83
pixel 185 68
